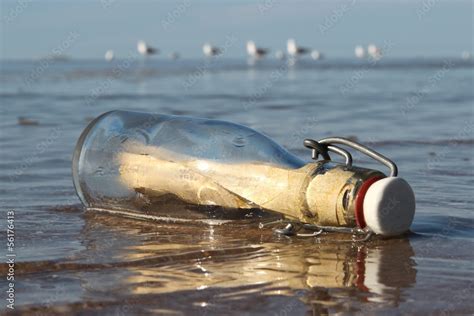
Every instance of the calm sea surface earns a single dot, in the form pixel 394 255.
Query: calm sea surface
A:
pixel 418 112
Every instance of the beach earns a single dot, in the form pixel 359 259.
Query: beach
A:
pixel 418 112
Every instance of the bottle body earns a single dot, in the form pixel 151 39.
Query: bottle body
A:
pixel 147 163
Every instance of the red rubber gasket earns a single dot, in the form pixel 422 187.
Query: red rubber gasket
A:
pixel 359 202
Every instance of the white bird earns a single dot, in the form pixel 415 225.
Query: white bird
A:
pixel 374 51
pixel 210 50
pixel 466 55
pixel 146 50
pixel 316 55
pixel 254 51
pixel 279 54
pixel 109 55
pixel 359 51
pixel 294 50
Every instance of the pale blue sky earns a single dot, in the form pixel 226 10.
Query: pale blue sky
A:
pixel 417 28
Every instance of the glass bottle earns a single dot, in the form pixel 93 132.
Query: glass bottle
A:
pixel 175 167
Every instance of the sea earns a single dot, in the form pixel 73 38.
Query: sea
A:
pixel 69 261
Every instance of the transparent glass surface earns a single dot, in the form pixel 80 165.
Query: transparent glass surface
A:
pixel 122 158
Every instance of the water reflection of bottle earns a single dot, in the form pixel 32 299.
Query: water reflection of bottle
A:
pixel 374 272
pixel 384 270
pixel 135 163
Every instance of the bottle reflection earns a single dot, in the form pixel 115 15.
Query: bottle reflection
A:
pixel 380 270
pixel 170 259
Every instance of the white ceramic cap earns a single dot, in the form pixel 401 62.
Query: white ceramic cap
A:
pixel 389 206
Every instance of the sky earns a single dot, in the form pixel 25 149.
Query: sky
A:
pixel 86 29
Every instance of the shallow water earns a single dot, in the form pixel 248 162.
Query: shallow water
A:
pixel 418 112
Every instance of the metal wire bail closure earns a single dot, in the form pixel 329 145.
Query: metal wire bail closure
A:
pixel 292 228
pixel 325 145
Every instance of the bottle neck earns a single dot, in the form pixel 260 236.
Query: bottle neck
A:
pixel 332 194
